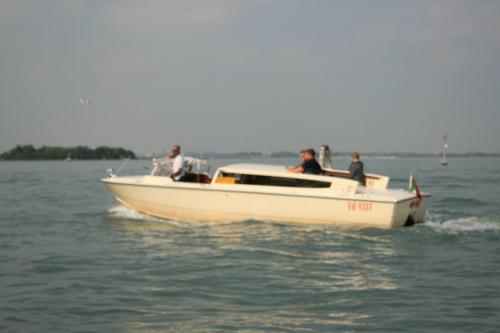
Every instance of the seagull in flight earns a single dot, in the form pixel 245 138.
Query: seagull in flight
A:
pixel 84 101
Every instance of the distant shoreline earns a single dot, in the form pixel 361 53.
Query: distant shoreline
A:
pixel 54 153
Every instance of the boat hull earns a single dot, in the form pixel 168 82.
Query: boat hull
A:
pixel 204 203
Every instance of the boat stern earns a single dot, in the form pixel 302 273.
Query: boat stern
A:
pixel 410 211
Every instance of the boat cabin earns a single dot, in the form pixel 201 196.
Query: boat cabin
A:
pixel 278 176
pixel 275 176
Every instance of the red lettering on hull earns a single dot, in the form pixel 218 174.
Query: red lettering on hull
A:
pixel 359 206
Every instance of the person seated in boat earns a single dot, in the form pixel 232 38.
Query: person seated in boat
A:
pixel 356 171
pixel 309 164
pixel 178 172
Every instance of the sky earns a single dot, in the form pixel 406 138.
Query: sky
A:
pixel 251 75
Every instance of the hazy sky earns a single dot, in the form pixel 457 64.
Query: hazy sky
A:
pixel 234 75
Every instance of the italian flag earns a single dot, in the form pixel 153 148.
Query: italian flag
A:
pixel 413 187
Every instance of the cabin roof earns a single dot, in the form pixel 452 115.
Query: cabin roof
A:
pixel 270 170
pixel 255 167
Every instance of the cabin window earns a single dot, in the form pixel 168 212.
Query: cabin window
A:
pixel 273 181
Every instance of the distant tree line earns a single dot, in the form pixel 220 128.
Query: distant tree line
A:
pixel 29 152
pixel 215 155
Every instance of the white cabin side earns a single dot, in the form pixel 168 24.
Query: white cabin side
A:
pixel 270 175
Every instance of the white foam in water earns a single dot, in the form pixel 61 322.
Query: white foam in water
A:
pixel 434 221
pixel 466 224
pixel 130 214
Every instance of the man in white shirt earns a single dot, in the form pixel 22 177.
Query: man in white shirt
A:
pixel 178 164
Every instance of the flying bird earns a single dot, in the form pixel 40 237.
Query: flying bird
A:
pixel 84 101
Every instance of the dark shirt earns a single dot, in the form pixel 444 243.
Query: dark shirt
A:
pixel 356 172
pixel 312 166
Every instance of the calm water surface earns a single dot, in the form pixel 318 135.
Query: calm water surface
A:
pixel 73 260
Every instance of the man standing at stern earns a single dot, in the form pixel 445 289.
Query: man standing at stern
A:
pixel 356 171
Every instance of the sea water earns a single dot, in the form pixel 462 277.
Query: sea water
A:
pixel 73 260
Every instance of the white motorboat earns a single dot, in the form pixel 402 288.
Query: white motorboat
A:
pixel 269 193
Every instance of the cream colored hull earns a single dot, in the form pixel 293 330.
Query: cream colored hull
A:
pixel 212 203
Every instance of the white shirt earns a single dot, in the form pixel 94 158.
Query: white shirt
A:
pixel 178 164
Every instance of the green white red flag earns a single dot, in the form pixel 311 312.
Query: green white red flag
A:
pixel 413 187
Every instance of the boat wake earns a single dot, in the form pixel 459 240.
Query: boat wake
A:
pixel 433 221
pixel 465 224
pixel 123 212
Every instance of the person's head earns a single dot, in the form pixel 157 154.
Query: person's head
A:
pixel 301 155
pixel 176 150
pixel 308 154
pixel 355 157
